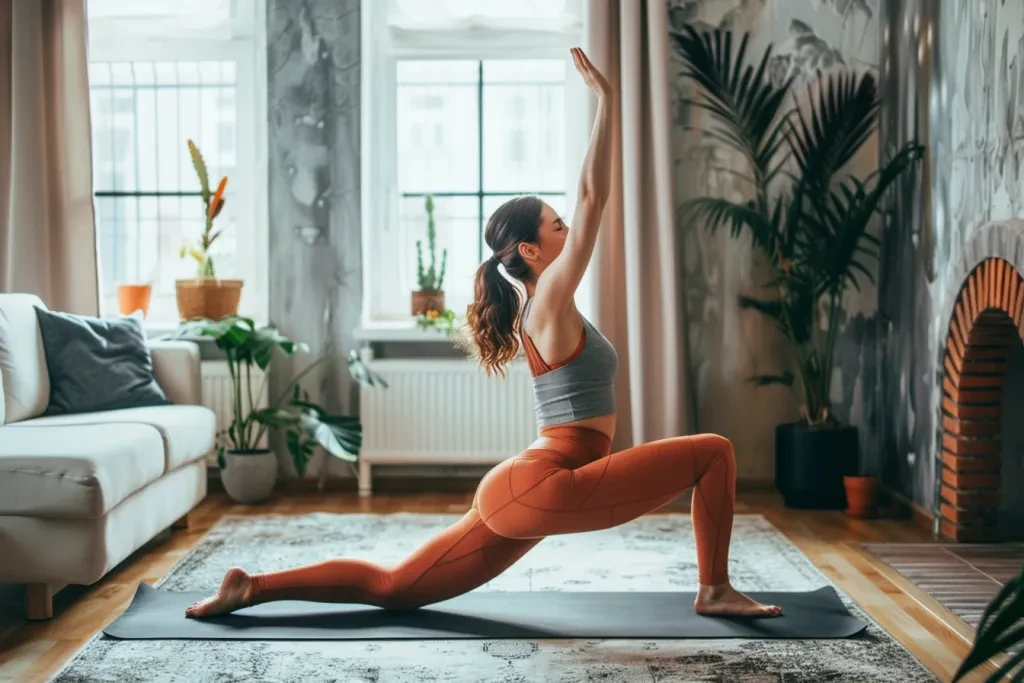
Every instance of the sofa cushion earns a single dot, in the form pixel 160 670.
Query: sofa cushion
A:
pixel 187 431
pixel 75 471
pixel 97 364
pixel 26 382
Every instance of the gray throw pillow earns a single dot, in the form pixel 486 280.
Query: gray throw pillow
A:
pixel 97 364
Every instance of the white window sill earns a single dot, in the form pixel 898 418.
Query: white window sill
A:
pixel 399 332
pixel 154 330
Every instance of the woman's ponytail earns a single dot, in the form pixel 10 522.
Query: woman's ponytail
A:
pixel 493 318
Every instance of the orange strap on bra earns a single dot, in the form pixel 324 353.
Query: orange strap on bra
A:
pixel 537 364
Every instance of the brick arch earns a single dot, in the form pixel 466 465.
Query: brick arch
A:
pixel 985 323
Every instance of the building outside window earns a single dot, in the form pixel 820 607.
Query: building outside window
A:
pixel 191 69
pixel 471 103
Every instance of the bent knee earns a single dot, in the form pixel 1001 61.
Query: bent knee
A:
pixel 715 445
pixel 390 593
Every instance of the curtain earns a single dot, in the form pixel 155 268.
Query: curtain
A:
pixel 47 232
pixel 636 280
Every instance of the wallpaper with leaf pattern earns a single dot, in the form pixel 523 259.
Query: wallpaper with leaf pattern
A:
pixel 728 345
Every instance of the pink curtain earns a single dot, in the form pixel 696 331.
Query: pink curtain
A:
pixel 47 230
pixel 637 290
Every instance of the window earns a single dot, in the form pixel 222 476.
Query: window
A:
pixel 190 70
pixel 470 103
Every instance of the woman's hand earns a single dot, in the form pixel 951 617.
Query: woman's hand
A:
pixel 591 75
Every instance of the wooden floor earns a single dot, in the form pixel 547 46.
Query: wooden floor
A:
pixel 34 651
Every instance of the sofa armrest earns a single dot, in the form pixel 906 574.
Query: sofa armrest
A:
pixel 176 367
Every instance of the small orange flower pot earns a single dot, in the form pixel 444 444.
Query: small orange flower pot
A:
pixel 861 496
pixel 131 298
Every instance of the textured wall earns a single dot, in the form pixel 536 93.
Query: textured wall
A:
pixel 315 235
pixel 729 345
pixel 967 101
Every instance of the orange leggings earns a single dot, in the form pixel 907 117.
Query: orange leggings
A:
pixel 566 482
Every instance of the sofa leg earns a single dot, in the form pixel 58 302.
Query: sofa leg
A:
pixel 39 603
pixel 365 479
pixel 182 522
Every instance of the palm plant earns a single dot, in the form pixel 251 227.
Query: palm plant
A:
pixel 1001 628
pixel 811 223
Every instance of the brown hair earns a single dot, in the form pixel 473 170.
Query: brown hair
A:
pixel 493 317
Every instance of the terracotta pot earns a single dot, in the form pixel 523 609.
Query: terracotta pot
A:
pixel 861 496
pixel 131 298
pixel 427 300
pixel 208 297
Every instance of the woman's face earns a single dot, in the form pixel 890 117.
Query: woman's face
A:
pixel 550 240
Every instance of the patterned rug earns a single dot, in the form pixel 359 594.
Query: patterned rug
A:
pixel 962 577
pixel 653 553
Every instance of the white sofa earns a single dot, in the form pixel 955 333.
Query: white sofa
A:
pixel 80 493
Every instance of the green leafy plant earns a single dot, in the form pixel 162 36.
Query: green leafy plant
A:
pixel 213 204
pixel 430 279
pixel 811 223
pixel 305 424
pixel 442 321
pixel 1001 628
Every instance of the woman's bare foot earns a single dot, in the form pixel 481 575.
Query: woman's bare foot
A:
pixel 724 600
pixel 235 592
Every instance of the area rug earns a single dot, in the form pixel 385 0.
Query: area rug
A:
pixel 653 553
pixel 962 577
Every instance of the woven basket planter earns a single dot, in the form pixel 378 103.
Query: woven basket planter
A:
pixel 208 297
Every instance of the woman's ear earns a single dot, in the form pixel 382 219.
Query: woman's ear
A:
pixel 529 252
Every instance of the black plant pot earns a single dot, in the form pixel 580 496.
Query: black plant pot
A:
pixel 810 463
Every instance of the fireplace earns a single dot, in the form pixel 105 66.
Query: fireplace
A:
pixel 985 328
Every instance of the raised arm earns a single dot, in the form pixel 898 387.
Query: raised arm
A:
pixel 557 285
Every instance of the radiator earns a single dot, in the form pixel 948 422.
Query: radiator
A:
pixel 443 412
pixel 217 397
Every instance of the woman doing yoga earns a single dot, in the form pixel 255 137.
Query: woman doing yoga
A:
pixel 566 481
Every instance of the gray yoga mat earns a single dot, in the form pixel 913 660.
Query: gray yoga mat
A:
pixel 155 614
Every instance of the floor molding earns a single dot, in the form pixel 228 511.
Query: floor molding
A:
pixel 908 508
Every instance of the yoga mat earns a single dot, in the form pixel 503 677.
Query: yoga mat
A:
pixel 156 614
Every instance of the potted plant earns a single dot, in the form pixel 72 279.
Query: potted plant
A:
pixel 249 469
pixel 811 224
pixel 430 296
pixel 440 321
pixel 206 296
pixel 861 495
pixel 133 297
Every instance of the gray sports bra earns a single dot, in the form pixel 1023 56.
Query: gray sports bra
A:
pixel 581 386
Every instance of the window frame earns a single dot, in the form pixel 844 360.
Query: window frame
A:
pixel 380 195
pixel 246 46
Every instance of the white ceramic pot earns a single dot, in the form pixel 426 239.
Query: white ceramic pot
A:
pixel 249 476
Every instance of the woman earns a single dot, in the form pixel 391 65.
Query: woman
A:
pixel 566 481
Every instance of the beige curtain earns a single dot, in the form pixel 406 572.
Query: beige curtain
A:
pixel 47 231
pixel 637 292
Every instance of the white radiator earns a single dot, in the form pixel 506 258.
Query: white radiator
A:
pixel 443 412
pixel 217 396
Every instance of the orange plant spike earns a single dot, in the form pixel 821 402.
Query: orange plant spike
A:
pixel 218 197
